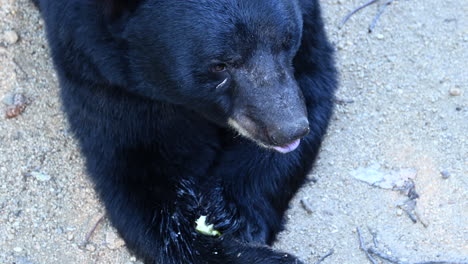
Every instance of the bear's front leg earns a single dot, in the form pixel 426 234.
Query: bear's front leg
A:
pixel 259 183
pixel 156 215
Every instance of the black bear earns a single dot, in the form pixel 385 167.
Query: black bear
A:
pixel 199 119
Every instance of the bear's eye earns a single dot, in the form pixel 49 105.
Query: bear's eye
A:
pixel 220 67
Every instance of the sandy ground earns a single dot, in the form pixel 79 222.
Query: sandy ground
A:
pixel 404 88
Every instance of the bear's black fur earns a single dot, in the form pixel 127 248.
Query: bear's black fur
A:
pixel 187 108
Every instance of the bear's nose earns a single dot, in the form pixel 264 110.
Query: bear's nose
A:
pixel 286 133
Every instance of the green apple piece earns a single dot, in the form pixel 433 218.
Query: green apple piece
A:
pixel 203 228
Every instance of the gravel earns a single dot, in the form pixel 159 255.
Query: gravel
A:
pixel 406 82
pixel 10 37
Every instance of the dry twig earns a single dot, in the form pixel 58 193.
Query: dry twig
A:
pixel 362 246
pixel 325 256
pixel 350 14
pixel 93 229
pixel 373 252
pixel 376 18
pixel 307 207
pixel 344 101
pixel 409 206
pixel 441 262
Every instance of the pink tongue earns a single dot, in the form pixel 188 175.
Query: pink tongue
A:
pixel 288 148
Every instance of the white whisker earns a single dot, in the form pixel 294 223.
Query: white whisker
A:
pixel 221 84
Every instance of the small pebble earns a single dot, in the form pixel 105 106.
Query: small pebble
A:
pixel 10 37
pixel 9 99
pixel 445 174
pixel 18 105
pixel 399 212
pixel 455 92
pixel 380 36
pixel 90 247
pixel 113 241
pixel 40 176
pixel 17 249
pixel 340 46
pixel 23 260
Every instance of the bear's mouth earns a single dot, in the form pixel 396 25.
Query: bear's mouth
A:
pixel 250 130
pixel 288 148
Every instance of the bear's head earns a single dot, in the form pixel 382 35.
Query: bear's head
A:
pixel 231 61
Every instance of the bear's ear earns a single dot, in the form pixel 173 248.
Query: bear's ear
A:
pixel 115 8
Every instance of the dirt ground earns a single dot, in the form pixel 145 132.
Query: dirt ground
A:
pixel 403 106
